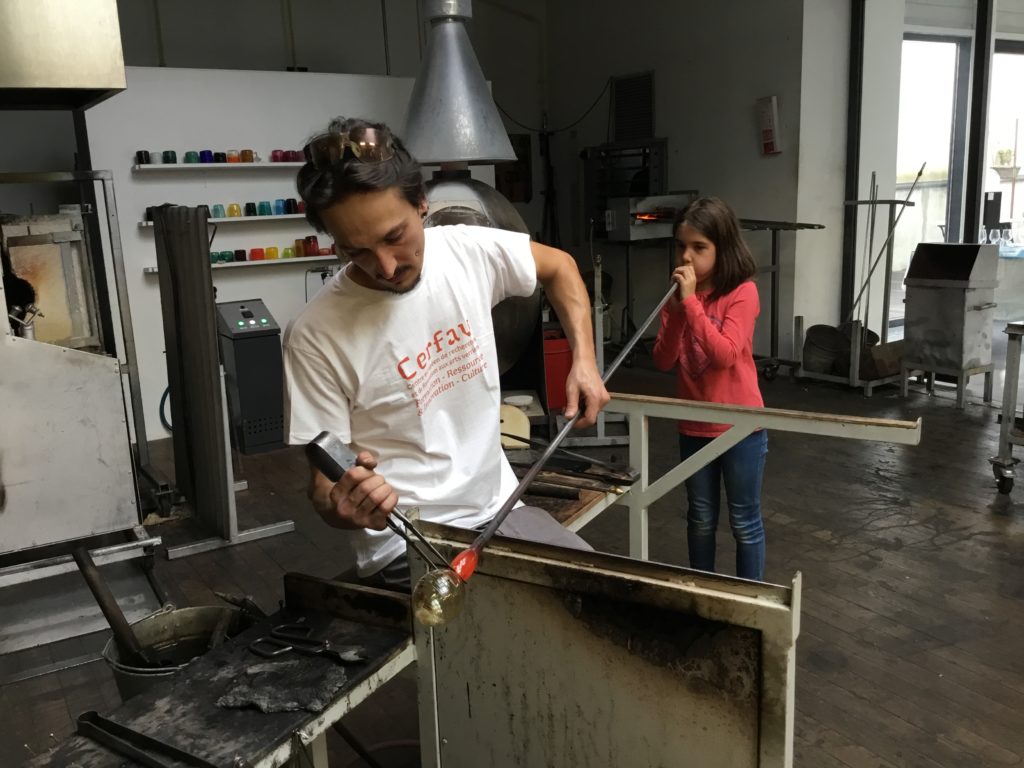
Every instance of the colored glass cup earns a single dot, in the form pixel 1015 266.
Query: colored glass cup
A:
pixel 265 208
pixel 170 157
pixel 240 254
pixel 234 209
pixel 279 208
pixel 256 254
pixel 300 248
pixel 250 209
pixel 191 157
pixel 206 156
pixel 272 252
pixel 288 253
pixel 218 211
pixel 232 155
pixel 246 156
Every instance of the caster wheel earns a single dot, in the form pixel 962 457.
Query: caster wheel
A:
pixel 1004 485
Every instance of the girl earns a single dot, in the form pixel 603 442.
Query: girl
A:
pixel 706 333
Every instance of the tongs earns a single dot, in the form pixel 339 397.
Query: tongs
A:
pixel 333 458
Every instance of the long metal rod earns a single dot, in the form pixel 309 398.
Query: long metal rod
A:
pixel 524 483
pixel 881 252
pixel 127 644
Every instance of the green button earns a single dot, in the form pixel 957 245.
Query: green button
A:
pixel 241 323
pixel 264 320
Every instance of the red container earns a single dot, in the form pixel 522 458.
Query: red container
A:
pixel 557 364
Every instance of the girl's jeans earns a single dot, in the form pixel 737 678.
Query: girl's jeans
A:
pixel 742 468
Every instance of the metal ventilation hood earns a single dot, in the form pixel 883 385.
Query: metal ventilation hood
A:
pixel 452 117
pixel 59 54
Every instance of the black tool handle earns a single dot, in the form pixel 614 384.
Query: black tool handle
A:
pixel 132 653
pixel 331 456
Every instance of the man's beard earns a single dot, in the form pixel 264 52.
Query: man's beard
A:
pixel 400 291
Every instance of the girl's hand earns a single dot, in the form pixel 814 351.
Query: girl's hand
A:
pixel 686 278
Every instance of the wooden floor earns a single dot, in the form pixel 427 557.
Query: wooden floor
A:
pixel 911 649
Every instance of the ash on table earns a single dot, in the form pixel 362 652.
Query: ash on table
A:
pixel 288 684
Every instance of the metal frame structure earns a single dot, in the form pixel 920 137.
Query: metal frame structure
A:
pixel 640 409
pixel 202 438
pixel 124 359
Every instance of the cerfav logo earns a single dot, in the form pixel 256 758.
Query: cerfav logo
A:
pixel 441 340
pixel 450 357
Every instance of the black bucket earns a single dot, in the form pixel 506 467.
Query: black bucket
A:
pixel 823 346
pixel 177 636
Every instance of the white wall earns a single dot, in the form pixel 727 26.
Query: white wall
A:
pixel 812 288
pixel 883 45
pixel 184 109
pixel 712 61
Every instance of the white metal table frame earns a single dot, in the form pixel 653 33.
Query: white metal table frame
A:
pixel 640 409
pixel 1003 464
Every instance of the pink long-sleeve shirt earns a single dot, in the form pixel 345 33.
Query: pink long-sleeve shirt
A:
pixel 710 344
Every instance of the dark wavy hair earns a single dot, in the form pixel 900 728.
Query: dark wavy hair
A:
pixel 715 220
pixel 320 188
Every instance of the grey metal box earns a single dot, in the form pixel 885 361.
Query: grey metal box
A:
pixel 950 303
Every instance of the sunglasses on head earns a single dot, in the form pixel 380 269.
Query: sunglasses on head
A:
pixel 367 145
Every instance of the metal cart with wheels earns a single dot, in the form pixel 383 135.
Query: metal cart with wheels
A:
pixel 1010 433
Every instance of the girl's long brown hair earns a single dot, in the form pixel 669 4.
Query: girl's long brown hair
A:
pixel 715 220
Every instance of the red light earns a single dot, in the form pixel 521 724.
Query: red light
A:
pixel 465 563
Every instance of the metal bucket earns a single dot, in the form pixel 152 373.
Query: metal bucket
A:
pixel 177 635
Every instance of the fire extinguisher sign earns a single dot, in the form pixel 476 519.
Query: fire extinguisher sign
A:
pixel 768 125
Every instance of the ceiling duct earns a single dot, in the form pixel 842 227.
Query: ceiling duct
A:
pixel 452 117
pixel 59 54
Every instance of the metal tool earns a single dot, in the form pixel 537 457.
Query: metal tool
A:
pixel 134 745
pixel 465 562
pixel 128 645
pixel 249 606
pixel 333 458
pixel 297 638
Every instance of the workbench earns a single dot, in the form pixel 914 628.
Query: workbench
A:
pixel 183 711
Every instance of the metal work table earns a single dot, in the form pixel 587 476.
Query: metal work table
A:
pixel 1009 433
pixel 771 364
pixel 183 711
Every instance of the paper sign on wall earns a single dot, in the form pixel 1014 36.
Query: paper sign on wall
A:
pixel 767 123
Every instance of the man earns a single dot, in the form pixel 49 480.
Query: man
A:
pixel 396 355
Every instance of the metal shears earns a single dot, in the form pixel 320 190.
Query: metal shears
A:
pixel 297 638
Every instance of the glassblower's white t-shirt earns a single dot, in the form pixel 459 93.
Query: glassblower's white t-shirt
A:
pixel 413 378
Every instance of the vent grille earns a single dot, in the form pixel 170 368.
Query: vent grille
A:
pixel 633 106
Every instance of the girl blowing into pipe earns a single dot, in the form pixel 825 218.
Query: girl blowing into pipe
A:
pixel 706 335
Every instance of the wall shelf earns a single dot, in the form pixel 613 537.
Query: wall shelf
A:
pixel 261 263
pixel 200 167
pixel 239 219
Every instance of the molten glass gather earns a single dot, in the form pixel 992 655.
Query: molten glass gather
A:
pixel 438 597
